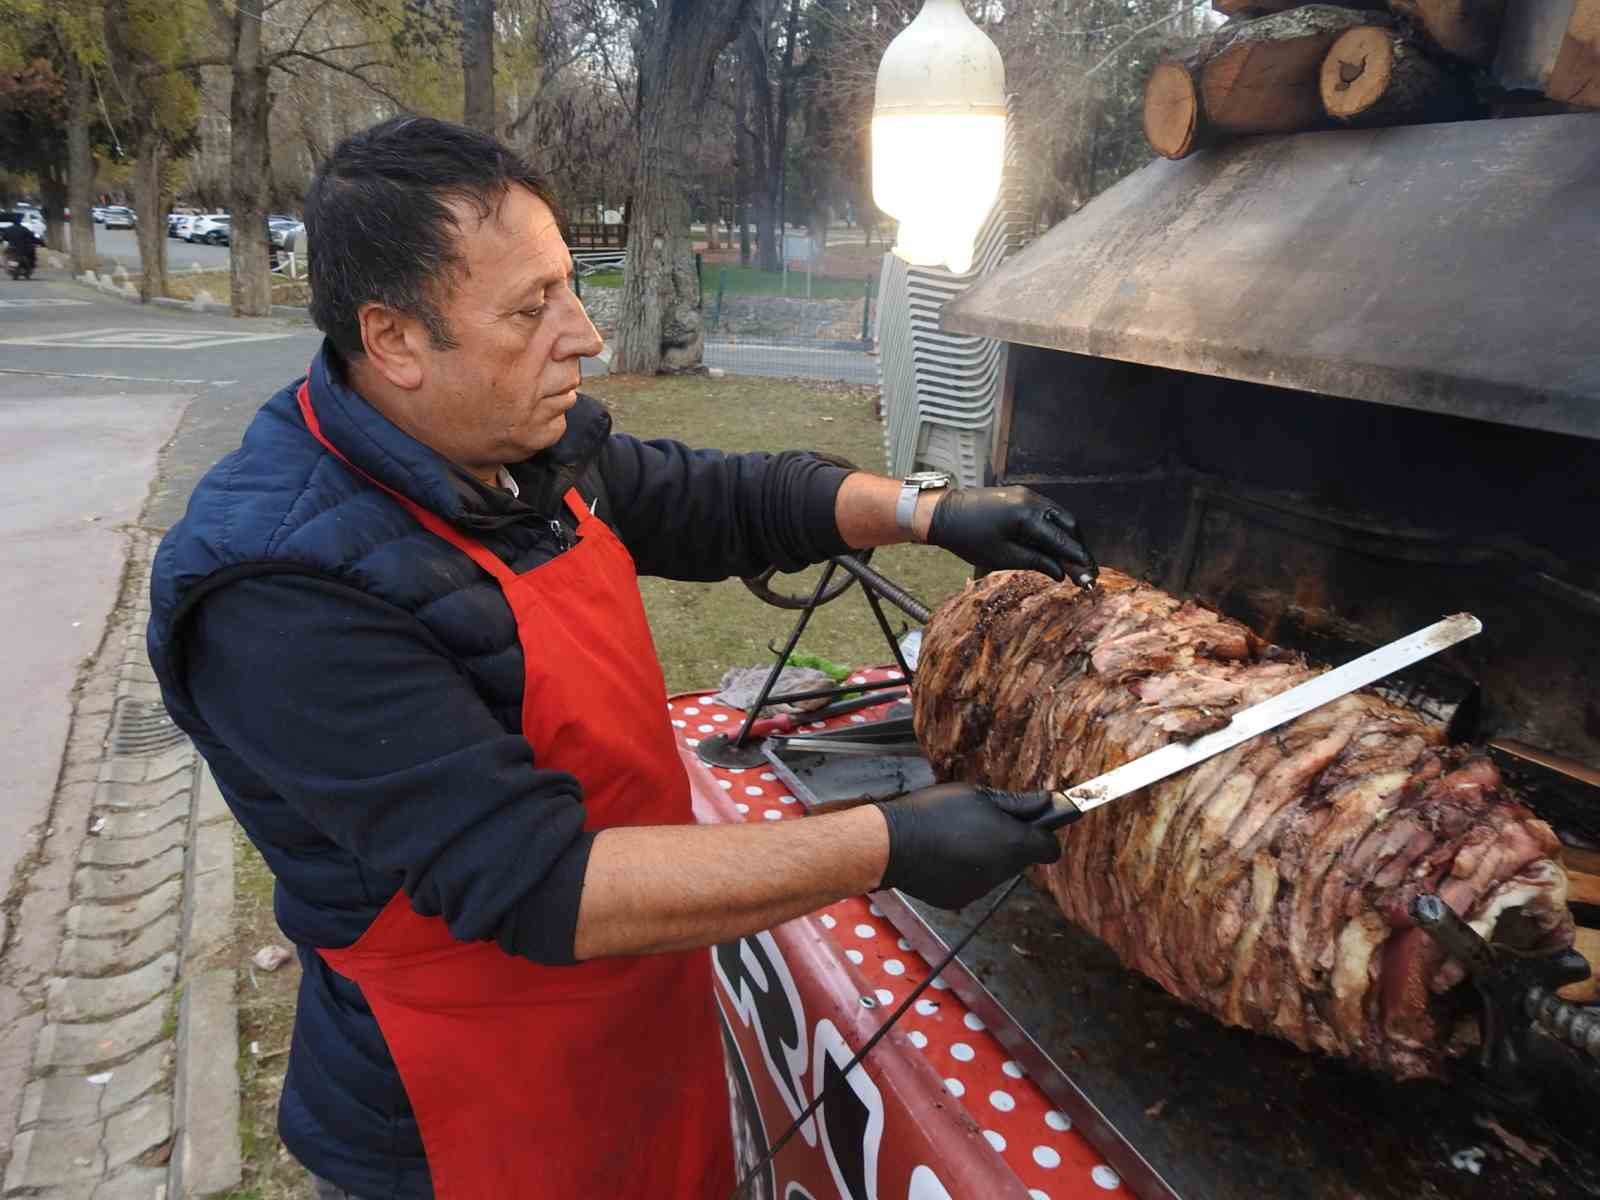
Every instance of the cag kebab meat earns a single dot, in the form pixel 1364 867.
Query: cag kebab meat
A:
pixel 1268 885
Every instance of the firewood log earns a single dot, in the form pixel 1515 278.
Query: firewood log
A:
pixel 1551 46
pixel 1257 8
pixel 1468 30
pixel 1373 76
pixel 1257 76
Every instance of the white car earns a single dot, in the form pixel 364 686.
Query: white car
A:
pixel 119 217
pixel 33 222
pixel 209 227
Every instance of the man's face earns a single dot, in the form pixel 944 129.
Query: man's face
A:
pixel 502 393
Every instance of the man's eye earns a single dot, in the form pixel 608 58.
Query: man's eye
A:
pixel 532 313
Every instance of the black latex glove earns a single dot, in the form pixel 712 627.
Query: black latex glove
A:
pixel 950 844
pixel 1011 528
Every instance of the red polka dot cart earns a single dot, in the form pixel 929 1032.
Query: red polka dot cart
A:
pixel 949 1104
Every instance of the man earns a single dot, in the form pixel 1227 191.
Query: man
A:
pixel 20 241
pixel 401 623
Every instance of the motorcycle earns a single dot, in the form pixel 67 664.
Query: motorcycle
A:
pixel 19 266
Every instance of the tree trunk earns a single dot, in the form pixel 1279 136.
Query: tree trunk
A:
pixel 250 160
pixel 1372 76
pixel 477 64
pixel 1465 29
pixel 1260 76
pixel 53 193
pixel 80 166
pixel 741 170
pixel 763 160
pixel 150 226
pixel 659 325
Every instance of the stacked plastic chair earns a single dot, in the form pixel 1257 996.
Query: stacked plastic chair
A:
pixel 939 389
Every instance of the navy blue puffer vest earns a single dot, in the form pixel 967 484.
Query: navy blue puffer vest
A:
pixel 282 503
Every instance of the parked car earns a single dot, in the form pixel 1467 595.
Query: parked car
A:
pixel 175 220
pixel 32 220
pixel 279 229
pixel 99 213
pixel 119 217
pixel 211 228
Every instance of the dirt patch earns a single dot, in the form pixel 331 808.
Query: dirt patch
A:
pixel 266 1019
pixel 186 285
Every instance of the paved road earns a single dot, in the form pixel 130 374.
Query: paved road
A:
pixel 122 245
pixel 92 391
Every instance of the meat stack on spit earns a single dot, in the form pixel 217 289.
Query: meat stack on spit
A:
pixel 1269 885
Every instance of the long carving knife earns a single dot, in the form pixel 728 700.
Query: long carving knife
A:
pixel 1080 800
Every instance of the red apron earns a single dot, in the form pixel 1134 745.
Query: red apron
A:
pixel 599 1080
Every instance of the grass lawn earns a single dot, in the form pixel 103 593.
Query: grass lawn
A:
pixel 700 630
pixel 184 284
pixel 747 281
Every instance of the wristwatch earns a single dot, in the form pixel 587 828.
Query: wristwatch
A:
pixel 913 486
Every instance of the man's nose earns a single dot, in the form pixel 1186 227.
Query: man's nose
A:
pixel 580 338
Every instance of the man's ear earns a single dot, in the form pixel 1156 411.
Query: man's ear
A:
pixel 394 345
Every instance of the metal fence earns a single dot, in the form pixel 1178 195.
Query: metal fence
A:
pixel 828 334
pixel 795 334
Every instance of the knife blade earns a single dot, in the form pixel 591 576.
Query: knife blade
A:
pixel 1080 800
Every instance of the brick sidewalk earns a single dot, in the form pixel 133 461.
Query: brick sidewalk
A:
pixel 136 1056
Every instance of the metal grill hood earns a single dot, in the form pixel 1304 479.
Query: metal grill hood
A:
pixel 1447 268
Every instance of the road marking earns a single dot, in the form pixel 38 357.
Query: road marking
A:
pixel 42 302
pixel 143 339
pixel 108 378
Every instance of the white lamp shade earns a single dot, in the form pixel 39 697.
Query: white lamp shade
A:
pixel 938 135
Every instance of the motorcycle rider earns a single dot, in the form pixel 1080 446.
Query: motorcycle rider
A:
pixel 20 241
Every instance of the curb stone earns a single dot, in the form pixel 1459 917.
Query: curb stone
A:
pixel 114 291
pixel 116 1106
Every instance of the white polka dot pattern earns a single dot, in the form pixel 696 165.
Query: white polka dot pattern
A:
pixel 976 1073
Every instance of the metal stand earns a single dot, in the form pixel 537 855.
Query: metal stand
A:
pixel 740 749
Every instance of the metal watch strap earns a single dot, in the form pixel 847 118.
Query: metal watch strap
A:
pixel 905 508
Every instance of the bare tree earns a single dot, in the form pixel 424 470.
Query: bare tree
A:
pixel 477 64
pixel 252 57
pixel 660 326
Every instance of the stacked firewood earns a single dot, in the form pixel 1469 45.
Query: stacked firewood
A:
pixel 1282 67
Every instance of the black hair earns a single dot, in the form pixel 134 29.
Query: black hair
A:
pixel 378 226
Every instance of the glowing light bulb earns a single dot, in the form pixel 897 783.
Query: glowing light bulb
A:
pixel 938 135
